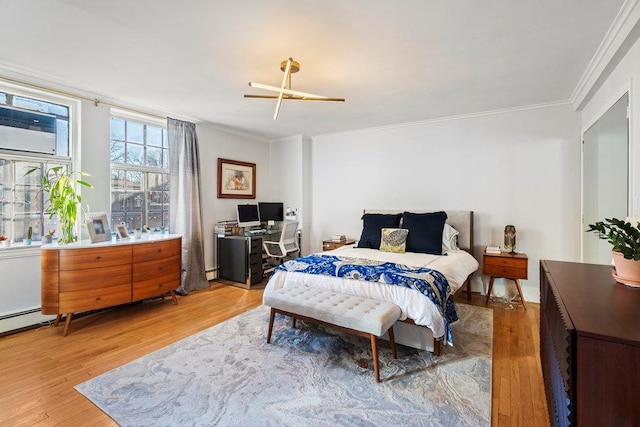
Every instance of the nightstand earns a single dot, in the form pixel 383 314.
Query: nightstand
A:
pixel 328 245
pixel 508 266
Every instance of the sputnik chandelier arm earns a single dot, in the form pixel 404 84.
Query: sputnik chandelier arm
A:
pixel 285 92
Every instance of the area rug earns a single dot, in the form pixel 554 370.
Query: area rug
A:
pixel 228 375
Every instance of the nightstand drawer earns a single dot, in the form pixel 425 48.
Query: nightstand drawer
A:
pixel 510 266
pixel 505 271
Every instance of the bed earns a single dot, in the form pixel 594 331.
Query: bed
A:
pixel 422 324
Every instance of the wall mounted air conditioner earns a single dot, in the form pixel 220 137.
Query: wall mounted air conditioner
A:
pixel 24 130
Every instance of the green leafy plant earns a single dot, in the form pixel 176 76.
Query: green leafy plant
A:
pixel 30 232
pixel 61 185
pixel 624 236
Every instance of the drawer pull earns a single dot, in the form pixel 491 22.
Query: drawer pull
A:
pixel 98 298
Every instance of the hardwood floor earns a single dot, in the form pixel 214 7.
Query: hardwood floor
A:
pixel 39 368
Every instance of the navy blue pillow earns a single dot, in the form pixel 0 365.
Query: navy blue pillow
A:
pixel 425 231
pixel 372 225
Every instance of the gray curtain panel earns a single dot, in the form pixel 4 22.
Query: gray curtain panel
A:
pixel 185 214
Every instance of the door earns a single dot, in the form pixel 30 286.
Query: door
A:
pixel 605 177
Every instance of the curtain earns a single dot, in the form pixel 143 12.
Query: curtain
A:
pixel 185 213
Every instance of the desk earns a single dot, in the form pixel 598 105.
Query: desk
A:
pixel 240 257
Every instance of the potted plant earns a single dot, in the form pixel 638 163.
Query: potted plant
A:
pixel 625 239
pixel 61 184
pixel 27 241
pixel 4 241
pixel 47 238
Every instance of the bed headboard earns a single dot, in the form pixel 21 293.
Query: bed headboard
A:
pixel 460 220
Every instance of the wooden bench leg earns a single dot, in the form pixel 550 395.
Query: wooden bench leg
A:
pixel 392 340
pixel 272 316
pixel 374 353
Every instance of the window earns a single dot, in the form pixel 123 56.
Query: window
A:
pixel 139 174
pixel 21 199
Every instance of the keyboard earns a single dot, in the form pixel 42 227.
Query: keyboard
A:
pixel 258 231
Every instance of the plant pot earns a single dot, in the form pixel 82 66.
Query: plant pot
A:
pixel 627 270
pixel 5 243
pixel 46 240
pixel 27 242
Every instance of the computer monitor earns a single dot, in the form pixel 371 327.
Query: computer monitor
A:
pixel 248 216
pixel 271 211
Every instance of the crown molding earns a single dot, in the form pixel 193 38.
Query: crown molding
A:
pixel 619 32
pixel 445 119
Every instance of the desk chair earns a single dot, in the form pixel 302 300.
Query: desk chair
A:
pixel 287 244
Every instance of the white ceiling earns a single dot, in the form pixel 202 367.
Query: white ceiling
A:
pixel 394 62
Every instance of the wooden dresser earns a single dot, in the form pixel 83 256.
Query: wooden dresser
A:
pixel 589 345
pixel 84 276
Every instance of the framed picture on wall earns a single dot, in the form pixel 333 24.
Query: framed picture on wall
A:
pixel 98 227
pixel 236 180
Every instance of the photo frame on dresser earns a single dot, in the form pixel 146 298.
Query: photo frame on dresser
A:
pixel 98 227
pixel 121 229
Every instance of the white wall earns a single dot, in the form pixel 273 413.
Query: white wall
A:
pixel 215 143
pixel 520 167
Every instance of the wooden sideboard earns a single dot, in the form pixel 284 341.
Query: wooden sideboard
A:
pixel 589 345
pixel 83 276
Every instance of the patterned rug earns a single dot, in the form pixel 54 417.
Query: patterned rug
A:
pixel 228 375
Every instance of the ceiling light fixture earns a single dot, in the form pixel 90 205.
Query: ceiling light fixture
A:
pixel 285 92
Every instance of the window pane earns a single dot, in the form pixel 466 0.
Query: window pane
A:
pixel 133 220
pixel 117 218
pixel 165 143
pixel 134 180
pixel 134 201
pixel 117 152
pixel 62 137
pixel 117 128
pixel 42 106
pixel 154 156
pixel 117 202
pixel 117 179
pixel 3 98
pixel 165 159
pixel 135 132
pixel 154 136
pixel 155 181
pixel 135 154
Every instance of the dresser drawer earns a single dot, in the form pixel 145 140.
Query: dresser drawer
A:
pixel 155 250
pixel 97 278
pixel 508 272
pixel 91 258
pixel 156 277
pixel 92 299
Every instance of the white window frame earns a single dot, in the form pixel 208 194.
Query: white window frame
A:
pixel 145 170
pixel 72 161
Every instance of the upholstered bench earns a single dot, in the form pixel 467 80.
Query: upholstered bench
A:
pixel 353 314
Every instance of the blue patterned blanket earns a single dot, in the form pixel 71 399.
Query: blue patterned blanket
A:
pixel 430 283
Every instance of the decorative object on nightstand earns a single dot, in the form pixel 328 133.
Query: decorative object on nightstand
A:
pixel 510 238
pixel 335 243
pixel 507 265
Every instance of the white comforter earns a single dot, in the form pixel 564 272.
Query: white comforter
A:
pixel 456 267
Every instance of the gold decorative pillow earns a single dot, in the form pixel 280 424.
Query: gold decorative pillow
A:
pixel 394 240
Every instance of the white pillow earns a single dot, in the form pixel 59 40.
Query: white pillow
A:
pixel 449 239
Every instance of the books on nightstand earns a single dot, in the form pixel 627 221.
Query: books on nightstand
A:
pixel 493 250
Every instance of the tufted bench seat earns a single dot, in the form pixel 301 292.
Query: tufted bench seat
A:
pixel 360 316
